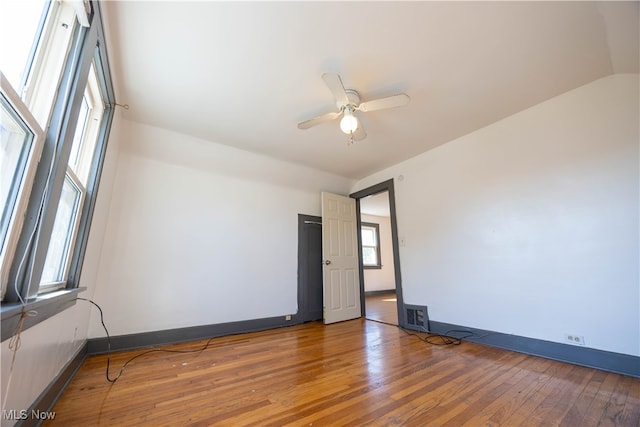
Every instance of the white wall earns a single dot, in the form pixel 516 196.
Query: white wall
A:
pixel 530 225
pixel 44 351
pixel 48 347
pixel 201 233
pixel 381 279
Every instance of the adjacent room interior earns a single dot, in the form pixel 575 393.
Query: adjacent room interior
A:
pixel 328 213
pixel 377 259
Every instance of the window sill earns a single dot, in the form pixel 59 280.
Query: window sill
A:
pixel 372 267
pixel 45 306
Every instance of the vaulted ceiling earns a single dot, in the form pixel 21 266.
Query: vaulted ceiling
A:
pixel 244 74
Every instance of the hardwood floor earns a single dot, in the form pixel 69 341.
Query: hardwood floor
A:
pixel 351 373
pixel 382 307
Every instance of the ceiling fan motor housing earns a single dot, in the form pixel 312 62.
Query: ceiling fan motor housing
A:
pixel 353 97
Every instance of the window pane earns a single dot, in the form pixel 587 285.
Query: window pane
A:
pixel 369 256
pixel 19 31
pixel 44 77
pixel 87 129
pixel 16 140
pixel 79 134
pixel 368 236
pixel 61 237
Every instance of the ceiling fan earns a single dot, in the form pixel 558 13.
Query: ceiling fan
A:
pixel 348 102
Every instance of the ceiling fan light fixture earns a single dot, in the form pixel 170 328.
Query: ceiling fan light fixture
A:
pixel 348 102
pixel 349 122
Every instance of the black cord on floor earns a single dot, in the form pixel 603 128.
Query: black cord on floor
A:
pixel 431 338
pixel 435 339
pixel 382 321
pixel 198 350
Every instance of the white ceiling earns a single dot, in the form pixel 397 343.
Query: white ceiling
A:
pixel 243 73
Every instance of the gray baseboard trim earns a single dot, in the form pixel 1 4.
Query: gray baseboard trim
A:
pixel 599 359
pixel 48 398
pixel 173 336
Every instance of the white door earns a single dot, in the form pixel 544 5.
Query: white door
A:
pixel 340 256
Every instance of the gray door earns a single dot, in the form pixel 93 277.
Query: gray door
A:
pixel 310 268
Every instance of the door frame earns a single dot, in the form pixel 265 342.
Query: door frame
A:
pixel 370 191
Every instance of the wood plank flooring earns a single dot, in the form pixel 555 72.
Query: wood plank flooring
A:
pixel 382 307
pixel 355 373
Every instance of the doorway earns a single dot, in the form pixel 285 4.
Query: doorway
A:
pixel 392 284
pixel 377 259
pixel 310 285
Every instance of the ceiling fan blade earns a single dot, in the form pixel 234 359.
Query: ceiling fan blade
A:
pixel 360 133
pixel 317 120
pixel 388 102
pixel 336 87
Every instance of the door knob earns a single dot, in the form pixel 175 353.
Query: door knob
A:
pixel 327 262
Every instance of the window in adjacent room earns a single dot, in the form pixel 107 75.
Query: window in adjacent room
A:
pixel 370 245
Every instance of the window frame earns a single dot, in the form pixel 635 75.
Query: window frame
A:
pixel 376 229
pixel 78 174
pixel 16 221
pixel 88 45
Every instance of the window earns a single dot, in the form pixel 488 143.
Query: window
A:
pixel 74 189
pixel 371 245
pixel 35 38
pixel 20 146
pixel 60 82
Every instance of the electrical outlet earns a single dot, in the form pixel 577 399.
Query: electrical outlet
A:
pixel 574 339
pixel 287 317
